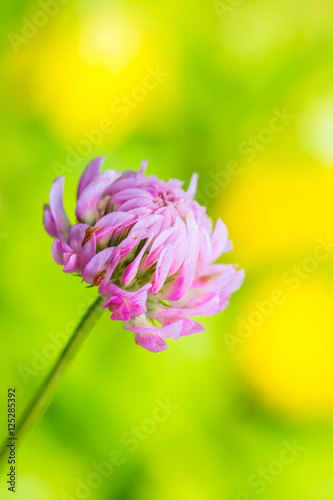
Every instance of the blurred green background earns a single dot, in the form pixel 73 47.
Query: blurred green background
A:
pixel 240 92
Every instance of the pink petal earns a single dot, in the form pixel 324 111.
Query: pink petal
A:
pixel 78 233
pixel 143 166
pixel 152 342
pixel 110 222
pixel 164 332
pixel 189 325
pixel 129 194
pixel 136 203
pixel 204 252
pixel 132 240
pixel 180 250
pixel 64 256
pixel 58 251
pixel 168 237
pixel 125 305
pixel 162 269
pixel 90 172
pixel 88 251
pixel 73 265
pixel 101 267
pixel 132 269
pixel 57 209
pixel 86 208
pixel 192 189
pixel 151 337
pixel 219 238
pixel 235 283
pixel 49 222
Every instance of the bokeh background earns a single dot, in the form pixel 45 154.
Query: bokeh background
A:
pixel 191 86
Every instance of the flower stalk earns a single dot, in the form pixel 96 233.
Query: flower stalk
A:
pixel 45 394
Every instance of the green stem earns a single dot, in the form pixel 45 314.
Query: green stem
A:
pixel 45 394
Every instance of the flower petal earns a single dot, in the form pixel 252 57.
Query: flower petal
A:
pixel 189 325
pixel 73 264
pixel 125 305
pixel 57 209
pixel 101 267
pixel 110 222
pixel 162 269
pixel 49 222
pixel 219 239
pixel 192 188
pixel 78 233
pixel 131 270
pixel 87 205
pixel 90 172
pixel 151 337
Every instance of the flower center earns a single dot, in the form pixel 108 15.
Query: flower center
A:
pixel 165 198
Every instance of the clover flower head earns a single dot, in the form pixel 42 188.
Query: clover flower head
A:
pixel 148 246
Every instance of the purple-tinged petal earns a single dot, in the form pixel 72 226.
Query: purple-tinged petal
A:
pixel 180 250
pixel 124 183
pixel 192 189
pixel 151 337
pixel 207 305
pixel 100 268
pixel 180 285
pixel 129 194
pixel 165 238
pixel 49 222
pixel 110 222
pixel 78 233
pixel 152 342
pixel 58 250
pixel 125 305
pixel 88 250
pixel 144 228
pixel 235 283
pixel 132 240
pixel 219 238
pixel 57 209
pixel 162 269
pixel 186 274
pixel 229 246
pixel 131 270
pixel 204 252
pixel 166 212
pixel 189 325
pixel 65 256
pixel 72 263
pixel 87 205
pixel 136 203
pixel 90 172
pixel 143 166
pixel 153 221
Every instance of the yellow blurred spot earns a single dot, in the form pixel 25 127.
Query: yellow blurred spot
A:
pixel 110 38
pixel 272 211
pixel 287 359
pixel 316 130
